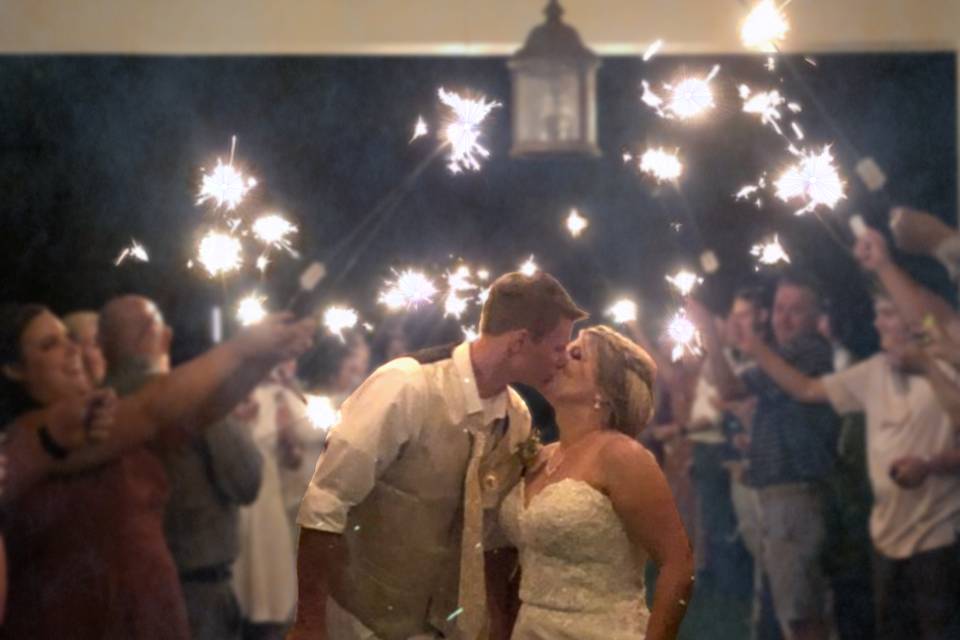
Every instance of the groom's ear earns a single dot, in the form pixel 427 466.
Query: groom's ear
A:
pixel 518 341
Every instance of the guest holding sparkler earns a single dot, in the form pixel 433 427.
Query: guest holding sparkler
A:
pixel 88 556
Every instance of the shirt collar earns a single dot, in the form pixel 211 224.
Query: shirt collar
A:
pixel 491 408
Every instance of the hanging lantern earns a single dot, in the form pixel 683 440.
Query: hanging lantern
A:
pixel 554 91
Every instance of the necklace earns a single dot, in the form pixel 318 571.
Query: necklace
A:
pixel 557 457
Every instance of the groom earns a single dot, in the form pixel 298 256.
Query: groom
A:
pixel 398 526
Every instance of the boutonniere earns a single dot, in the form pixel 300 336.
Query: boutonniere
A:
pixel 529 449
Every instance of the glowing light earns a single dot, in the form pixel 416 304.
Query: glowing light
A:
pixel 463 132
pixel 764 27
pixel 458 282
pixel 684 336
pixel 339 319
pixel 250 310
pixel 225 186
pixel 661 164
pixel 321 413
pixel 765 104
pixel 623 311
pixel 273 230
pixel 410 289
pixel 483 275
pixel 529 267
pixel 134 252
pixel 576 223
pixel 420 129
pixel 470 333
pixel 262 263
pixel 220 253
pixel 690 97
pixel 770 252
pixel 652 50
pixel 814 178
pixel 684 281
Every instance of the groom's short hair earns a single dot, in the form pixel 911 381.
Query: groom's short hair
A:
pixel 535 302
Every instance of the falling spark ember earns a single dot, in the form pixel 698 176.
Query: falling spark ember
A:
pixel 623 311
pixel 771 63
pixel 764 27
pixel 273 230
pixel 420 129
pixel 483 275
pixel 797 131
pixel 458 282
pixel 410 289
pixel 339 319
pixel 529 267
pixel 470 333
pixel 684 281
pixel 576 223
pixel 814 178
pixel 220 253
pixel 684 335
pixel 463 132
pixel 810 61
pixel 661 164
pixel 262 263
pixel 250 310
pixel 627 157
pixel 652 50
pixel 225 186
pixel 321 413
pixel 765 104
pixel 770 252
pixel 135 252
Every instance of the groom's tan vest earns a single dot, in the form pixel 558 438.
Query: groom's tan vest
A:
pixel 403 539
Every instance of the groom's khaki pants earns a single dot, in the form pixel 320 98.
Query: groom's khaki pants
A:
pixel 341 625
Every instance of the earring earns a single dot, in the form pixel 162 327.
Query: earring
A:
pixel 597 403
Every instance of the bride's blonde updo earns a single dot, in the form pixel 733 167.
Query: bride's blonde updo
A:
pixel 625 377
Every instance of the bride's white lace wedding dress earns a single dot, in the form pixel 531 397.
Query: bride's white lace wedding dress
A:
pixel 580 579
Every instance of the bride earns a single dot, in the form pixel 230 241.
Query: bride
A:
pixel 595 506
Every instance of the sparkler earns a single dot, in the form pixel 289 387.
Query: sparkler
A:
pixel 688 98
pixel 135 252
pixel 770 252
pixel 623 311
pixel 684 335
pixel 764 27
pixel 420 129
pixel 765 104
pixel 684 281
pixel 273 230
pixel 339 319
pixel 220 253
pixel 576 223
pixel 470 333
pixel 661 164
pixel 320 412
pixel 410 289
pixel 813 178
pixel 457 282
pixel 250 310
pixel 463 132
pixel 529 267
pixel 225 186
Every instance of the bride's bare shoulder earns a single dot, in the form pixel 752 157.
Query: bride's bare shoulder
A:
pixel 619 451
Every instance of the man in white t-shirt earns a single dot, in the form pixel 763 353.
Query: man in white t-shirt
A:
pixel 914 468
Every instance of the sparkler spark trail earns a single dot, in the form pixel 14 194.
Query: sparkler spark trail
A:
pixel 576 223
pixel 273 230
pixel 764 27
pixel 652 50
pixel 765 104
pixel 661 164
pixel 470 333
pixel 339 319
pixel 529 267
pixel 225 186
pixel 320 412
pixel 770 252
pixel 622 311
pixel 463 132
pixel 220 253
pixel 684 281
pixel 250 310
pixel 684 335
pixel 135 252
pixel 420 129
pixel 410 289
pixel 458 282
pixel 814 178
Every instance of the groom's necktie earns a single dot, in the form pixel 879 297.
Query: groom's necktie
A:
pixel 473 590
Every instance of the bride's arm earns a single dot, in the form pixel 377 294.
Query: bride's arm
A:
pixel 639 493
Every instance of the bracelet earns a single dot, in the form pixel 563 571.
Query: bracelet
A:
pixel 54 449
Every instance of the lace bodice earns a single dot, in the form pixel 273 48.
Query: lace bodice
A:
pixel 578 568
